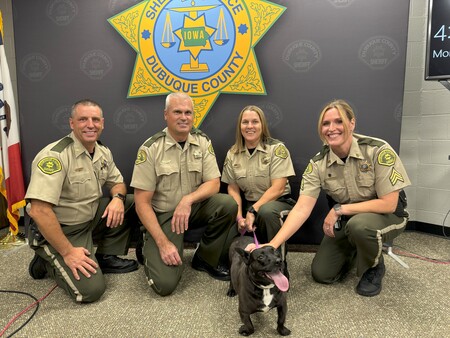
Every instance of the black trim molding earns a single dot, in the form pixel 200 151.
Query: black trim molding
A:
pixel 427 228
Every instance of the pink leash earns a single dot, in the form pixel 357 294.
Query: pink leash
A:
pixel 256 240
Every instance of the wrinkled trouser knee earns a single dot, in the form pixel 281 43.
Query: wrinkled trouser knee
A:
pixel 162 278
pixel 85 290
pixel 363 235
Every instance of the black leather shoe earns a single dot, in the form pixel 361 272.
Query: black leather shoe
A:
pixel 37 269
pixel 114 264
pixel 370 283
pixel 220 273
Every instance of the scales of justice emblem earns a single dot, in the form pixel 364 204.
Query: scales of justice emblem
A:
pixel 200 47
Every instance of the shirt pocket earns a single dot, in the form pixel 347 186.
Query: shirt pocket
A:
pixel 262 177
pixel 167 174
pixel 195 172
pixel 263 170
pixel 240 173
pixel 366 184
pixel 80 185
pixel 335 188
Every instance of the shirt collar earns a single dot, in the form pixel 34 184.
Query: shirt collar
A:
pixel 170 141
pixel 355 152
pixel 78 146
pixel 259 147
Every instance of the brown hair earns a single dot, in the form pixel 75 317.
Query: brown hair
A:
pixel 239 144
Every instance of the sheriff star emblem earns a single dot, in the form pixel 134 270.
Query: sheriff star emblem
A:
pixel 200 47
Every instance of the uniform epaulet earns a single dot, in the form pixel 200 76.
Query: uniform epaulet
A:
pixel 62 144
pixel 196 131
pixel 153 139
pixel 325 150
pixel 371 142
pixel 271 141
pixel 100 143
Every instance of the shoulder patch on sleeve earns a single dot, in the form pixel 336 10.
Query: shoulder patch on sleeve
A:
pixel 387 157
pixel 63 144
pixel 211 149
pixel 49 165
pixel 153 139
pixel 308 169
pixel 141 157
pixel 281 151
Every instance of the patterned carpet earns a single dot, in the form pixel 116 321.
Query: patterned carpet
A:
pixel 415 302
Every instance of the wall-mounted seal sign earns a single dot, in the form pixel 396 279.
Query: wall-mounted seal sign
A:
pixel 200 47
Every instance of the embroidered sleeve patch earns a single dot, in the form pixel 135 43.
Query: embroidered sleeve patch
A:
pixel 49 165
pixel 211 149
pixel 281 151
pixel 395 177
pixel 387 157
pixel 308 169
pixel 141 157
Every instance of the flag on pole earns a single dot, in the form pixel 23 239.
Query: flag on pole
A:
pixel 11 174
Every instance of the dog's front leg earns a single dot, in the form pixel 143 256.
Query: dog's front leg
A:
pixel 231 291
pixel 282 311
pixel 247 329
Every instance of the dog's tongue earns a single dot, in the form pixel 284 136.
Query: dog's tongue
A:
pixel 280 280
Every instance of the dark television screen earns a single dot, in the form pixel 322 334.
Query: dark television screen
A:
pixel 437 65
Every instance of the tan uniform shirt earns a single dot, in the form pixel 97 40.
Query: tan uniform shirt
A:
pixel 372 169
pixel 171 172
pixel 69 179
pixel 254 173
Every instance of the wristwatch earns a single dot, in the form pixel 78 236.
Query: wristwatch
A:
pixel 253 211
pixel 337 209
pixel 121 196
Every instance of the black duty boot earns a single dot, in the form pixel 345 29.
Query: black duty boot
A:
pixel 370 283
pixel 37 268
pixel 114 264
pixel 220 273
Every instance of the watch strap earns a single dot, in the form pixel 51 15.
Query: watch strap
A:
pixel 121 196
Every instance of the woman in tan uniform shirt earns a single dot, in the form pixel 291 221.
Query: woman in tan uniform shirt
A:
pixel 363 178
pixel 258 166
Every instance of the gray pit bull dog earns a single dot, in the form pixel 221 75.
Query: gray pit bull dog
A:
pixel 257 279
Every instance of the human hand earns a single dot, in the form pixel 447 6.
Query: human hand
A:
pixel 180 219
pixel 77 259
pixel 252 246
pixel 249 222
pixel 329 222
pixel 169 254
pixel 115 212
pixel 241 225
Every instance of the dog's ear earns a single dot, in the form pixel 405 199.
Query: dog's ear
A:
pixel 244 254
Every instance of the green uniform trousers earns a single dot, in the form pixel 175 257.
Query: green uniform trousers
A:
pixel 218 214
pixel 268 222
pixel 359 240
pixel 111 241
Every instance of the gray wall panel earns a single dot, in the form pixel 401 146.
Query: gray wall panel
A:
pixel 66 50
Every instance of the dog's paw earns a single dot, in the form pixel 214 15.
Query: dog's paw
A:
pixel 231 292
pixel 283 330
pixel 245 331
